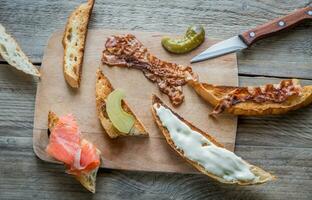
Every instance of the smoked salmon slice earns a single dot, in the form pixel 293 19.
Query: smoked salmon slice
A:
pixel 81 157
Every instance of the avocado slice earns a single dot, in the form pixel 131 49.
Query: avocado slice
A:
pixel 121 120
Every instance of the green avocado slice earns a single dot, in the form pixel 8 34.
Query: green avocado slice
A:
pixel 121 120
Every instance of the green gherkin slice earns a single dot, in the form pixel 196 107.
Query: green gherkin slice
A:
pixel 121 120
pixel 194 36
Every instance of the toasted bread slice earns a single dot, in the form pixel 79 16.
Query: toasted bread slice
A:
pixel 52 120
pixel 214 94
pixel 74 42
pixel 262 176
pixel 102 90
pixel 88 180
pixel 13 54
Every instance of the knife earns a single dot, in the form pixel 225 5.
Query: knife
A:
pixel 248 38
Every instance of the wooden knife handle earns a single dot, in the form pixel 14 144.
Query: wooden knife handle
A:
pixel 276 25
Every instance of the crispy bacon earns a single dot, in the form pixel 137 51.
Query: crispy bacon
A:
pixel 127 51
pixel 268 93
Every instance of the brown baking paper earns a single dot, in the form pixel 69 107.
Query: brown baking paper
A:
pixel 130 153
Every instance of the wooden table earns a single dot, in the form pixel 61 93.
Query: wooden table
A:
pixel 281 144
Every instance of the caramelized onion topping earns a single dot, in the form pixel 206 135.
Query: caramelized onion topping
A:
pixel 127 51
pixel 268 93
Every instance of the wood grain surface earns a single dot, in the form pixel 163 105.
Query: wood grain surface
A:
pixel 281 144
pixel 32 22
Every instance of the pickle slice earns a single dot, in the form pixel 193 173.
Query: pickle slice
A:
pixel 121 120
pixel 194 36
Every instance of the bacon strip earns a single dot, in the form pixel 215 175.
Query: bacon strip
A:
pixel 127 51
pixel 268 93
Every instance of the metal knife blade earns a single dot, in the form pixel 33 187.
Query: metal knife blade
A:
pixel 227 46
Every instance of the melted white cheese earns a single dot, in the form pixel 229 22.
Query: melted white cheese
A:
pixel 216 160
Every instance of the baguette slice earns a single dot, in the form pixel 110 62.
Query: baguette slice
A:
pixel 262 175
pixel 88 180
pixel 74 42
pixel 13 54
pixel 102 90
pixel 214 94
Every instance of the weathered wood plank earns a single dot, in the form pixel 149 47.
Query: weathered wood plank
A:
pixel 285 150
pixel 17 100
pixel 282 144
pixel 288 55
pixel 31 178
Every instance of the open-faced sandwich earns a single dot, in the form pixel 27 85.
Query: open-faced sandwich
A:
pixel 80 157
pixel 265 100
pixel 74 42
pixel 114 113
pixel 203 152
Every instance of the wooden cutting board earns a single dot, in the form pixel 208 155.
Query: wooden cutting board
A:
pixel 130 153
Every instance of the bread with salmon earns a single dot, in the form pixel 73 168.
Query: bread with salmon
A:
pixel 102 89
pixel 86 177
pixel 264 100
pixel 74 42
pixel 261 175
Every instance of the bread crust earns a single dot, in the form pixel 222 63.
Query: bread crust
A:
pixel 13 54
pixel 102 90
pixel 52 120
pixel 74 42
pixel 264 176
pixel 213 95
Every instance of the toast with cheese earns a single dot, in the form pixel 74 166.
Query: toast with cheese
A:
pixel 13 54
pixel 214 95
pixel 74 42
pixel 102 90
pixel 188 151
